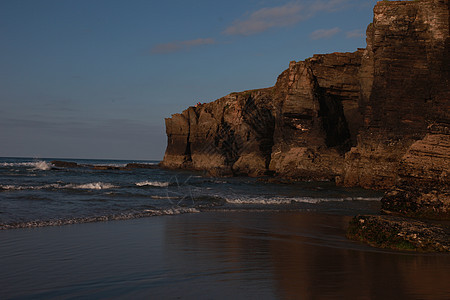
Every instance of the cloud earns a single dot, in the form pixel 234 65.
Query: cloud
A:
pixel 328 6
pixel 281 16
pixel 357 33
pixel 266 18
pixel 324 33
pixel 178 46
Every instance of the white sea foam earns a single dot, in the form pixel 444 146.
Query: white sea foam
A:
pixel 289 200
pixel 179 210
pixel 43 165
pixel 103 218
pixel 12 187
pixel 36 165
pixel 85 186
pixel 264 201
pixel 8 187
pixel 91 186
pixel 363 198
pixel 153 183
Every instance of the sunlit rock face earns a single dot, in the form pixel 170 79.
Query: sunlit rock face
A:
pixel 232 135
pixel 298 128
pixel 404 87
pixel 375 118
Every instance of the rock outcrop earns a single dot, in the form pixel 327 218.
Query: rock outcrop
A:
pixel 376 118
pixel 399 233
pixel 232 135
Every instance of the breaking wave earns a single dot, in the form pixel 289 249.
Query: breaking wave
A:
pixel 84 186
pixel 153 183
pixel 289 200
pixel 105 218
pixel 90 186
pixel 35 165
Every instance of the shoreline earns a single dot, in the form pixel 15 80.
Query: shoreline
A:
pixel 214 254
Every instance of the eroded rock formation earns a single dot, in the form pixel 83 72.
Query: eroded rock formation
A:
pixel 376 118
pixel 406 69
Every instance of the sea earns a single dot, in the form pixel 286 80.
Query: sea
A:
pixel 99 229
pixel 34 193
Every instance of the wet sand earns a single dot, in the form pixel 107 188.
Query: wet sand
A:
pixel 213 255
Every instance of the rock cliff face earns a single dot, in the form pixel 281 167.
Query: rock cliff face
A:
pixel 232 135
pixel 317 116
pixel 405 68
pixel 376 118
pixel 423 188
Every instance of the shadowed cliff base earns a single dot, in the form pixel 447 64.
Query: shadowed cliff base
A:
pixel 378 118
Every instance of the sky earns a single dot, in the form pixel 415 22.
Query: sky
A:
pixel 96 78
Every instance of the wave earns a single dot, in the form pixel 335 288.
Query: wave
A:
pixel 105 218
pixel 35 165
pixel 264 201
pixel 153 183
pixel 293 200
pixel 11 187
pixel 90 186
pixel 84 186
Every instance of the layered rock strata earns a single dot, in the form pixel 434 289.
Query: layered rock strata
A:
pixel 376 118
pixel 404 87
pixel 423 188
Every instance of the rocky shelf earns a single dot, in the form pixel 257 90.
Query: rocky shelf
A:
pixel 400 233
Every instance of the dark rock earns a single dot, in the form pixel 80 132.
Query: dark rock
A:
pixel 399 233
pixel 423 188
pixel 96 167
pixel 140 166
pixel 64 164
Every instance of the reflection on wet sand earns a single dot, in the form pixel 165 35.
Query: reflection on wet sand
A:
pixel 302 255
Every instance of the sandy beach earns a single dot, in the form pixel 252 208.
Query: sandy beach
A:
pixel 213 255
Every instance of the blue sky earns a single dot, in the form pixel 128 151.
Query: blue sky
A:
pixel 96 78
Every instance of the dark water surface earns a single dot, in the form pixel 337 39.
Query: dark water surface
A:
pixel 204 238
pixel 34 192
pixel 213 255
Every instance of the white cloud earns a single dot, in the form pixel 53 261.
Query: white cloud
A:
pixel 266 18
pixel 329 6
pixel 178 46
pixel 281 16
pixel 324 33
pixel 357 33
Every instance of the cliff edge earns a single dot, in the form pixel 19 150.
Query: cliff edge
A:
pixel 377 118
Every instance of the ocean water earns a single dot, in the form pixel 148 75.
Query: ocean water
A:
pixel 34 193
pixel 159 234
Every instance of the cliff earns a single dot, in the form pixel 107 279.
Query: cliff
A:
pixel 376 118
pixel 294 129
